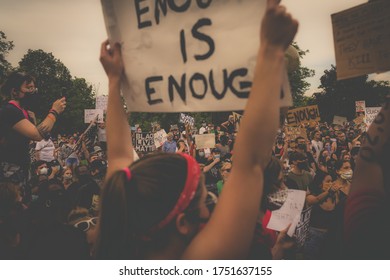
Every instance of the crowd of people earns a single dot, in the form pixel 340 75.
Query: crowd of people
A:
pixel 83 197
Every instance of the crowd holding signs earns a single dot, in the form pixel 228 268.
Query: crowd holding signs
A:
pixel 189 67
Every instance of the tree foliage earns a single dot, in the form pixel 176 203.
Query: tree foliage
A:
pixel 338 97
pixel 5 48
pixel 53 80
pixel 298 82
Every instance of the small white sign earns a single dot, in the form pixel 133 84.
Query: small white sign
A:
pixel 96 115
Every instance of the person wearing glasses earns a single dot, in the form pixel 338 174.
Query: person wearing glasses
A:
pixel 153 208
pixel 225 172
pixel 81 219
pixel 18 126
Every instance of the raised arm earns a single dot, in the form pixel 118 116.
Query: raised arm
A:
pixel 37 133
pixel 366 216
pixel 119 145
pixel 229 233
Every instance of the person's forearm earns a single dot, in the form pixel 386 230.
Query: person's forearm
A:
pixel 119 143
pixel 262 109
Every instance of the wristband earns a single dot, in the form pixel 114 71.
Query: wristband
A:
pixel 52 117
pixel 54 112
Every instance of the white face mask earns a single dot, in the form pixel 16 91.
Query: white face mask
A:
pixel 347 175
pixel 201 154
pixel 68 176
pixel 43 171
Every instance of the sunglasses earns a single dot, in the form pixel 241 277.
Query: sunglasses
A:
pixel 86 224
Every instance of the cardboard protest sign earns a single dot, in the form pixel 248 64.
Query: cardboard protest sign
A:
pixel 303 115
pixel 186 56
pixel 237 120
pixel 360 106
pixel 339 120
pixel 92 115
pixel 159 138
pixel 188 120
pixel 101 102
pixel 144 142
pixel 362 39
pixel 293 132
pixel 358 120
pixel 205 141
pixel 371 113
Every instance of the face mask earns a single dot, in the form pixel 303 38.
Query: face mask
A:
pixel 43 171
pixel 29 101
pixel 217 156
pixel 302 147
pixel 302 165
pixel 328 148
pixel 201 154
pixel 68 176
pixel 347 175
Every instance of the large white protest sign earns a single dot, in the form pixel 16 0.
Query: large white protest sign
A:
pixel 204 141
pixel 371 113
pixel 101 102
pixel 159 138
pixel 288 213
pixel 186 56
pixel 92 115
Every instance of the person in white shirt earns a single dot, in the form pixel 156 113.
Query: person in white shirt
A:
pixel 203 129
pixel 44 150
pixel 317 144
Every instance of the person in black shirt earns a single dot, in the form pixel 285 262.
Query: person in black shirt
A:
pixel 17 126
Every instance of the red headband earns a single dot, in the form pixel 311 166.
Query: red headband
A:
pixel 186 196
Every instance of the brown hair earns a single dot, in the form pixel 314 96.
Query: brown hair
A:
pixel 14 81
pixel 129 209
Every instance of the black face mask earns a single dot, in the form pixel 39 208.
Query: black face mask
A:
pixel 30 101
pixel 302 147
pixel 302 165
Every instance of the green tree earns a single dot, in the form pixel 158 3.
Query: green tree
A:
pixel 338 97
pixel 53 80
pixel 5 48
pixel 298 82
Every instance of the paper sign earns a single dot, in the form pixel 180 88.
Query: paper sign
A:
pixel 188 120
pixel 362 39
pixel 292 208
pixel 371 113
pixel 339 120
pixel 203 141
pixel 159 138
pixel 303 115
pixel 302 228
pixel 186 56
pixel 91 115
pixel 360 106
pixel 101 102
pixel 144 142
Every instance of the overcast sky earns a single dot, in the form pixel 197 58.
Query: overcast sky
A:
pixel 73 29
